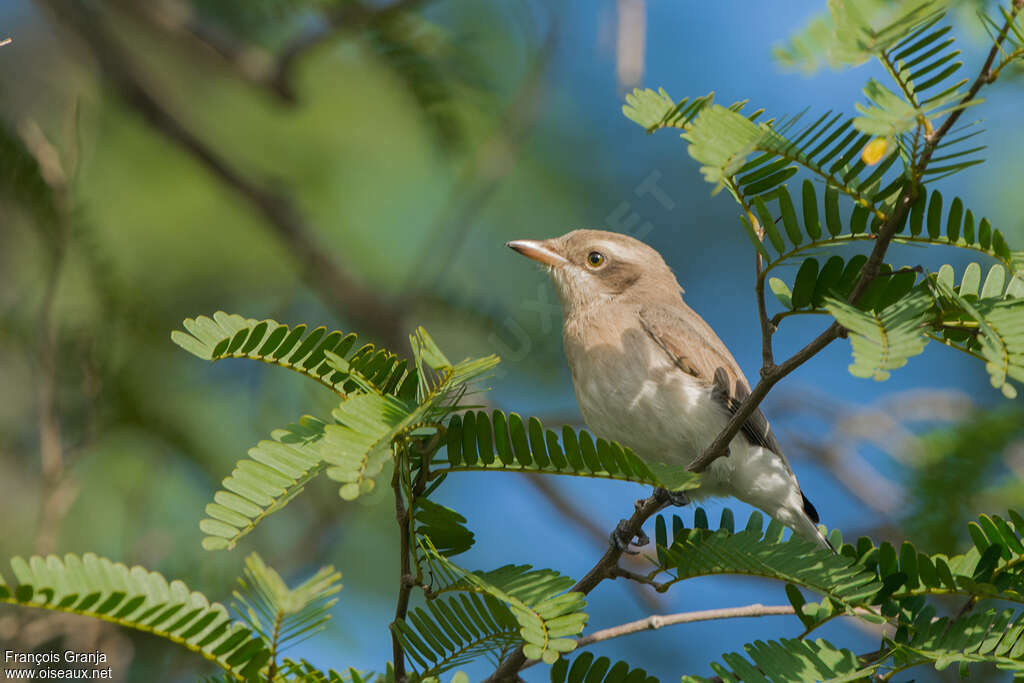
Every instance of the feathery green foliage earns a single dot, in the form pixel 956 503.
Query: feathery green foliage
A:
pixel 452 631
pixel 443 526
pixel 992 326
pixel 370 424
pixel 547 615
pixel 276 471
pixel 656 110
pixel 283 616
pixel 861 575
pixel 883 341
pixel 232 336
pixel 759 551
pixel 378 407
pixel 138 599
pixel 585 668
pixel 855 31
pixel 877 583
pixel 476 441
pixel 790 659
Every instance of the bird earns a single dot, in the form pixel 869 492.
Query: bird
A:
pixel 650 374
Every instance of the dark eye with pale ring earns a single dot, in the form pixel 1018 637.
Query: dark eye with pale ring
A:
pixel 595 259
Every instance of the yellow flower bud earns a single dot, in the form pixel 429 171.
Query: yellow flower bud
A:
pixel 874 151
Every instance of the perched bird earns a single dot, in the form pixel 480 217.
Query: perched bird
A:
pixel 650 374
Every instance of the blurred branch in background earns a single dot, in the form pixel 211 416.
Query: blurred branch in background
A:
pixel 340 290
pixel 339 287
pixel 59 491
pixel 630 43
pixel 254 63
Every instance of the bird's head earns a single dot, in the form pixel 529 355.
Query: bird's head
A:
pixel 593 266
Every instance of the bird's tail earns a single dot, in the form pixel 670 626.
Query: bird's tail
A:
pixel 806 526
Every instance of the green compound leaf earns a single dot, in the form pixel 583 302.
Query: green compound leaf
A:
pixel 586 668
pixel 991 325
pixel 886 339
pixel 655 110
pixel 549 618
pixel 232 336
pixel 477 441
pixel 138 599
pixel 276 471
pixel 452 631
pixel 790 659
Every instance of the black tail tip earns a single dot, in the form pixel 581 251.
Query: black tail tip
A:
pixel 809 510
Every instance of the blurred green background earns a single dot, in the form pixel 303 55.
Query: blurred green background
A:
pixel 361 167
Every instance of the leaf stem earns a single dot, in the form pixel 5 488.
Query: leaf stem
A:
pixel 272 668
pixel 405 577
pixel 404 518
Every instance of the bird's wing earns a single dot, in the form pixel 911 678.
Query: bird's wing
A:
pixel 695 349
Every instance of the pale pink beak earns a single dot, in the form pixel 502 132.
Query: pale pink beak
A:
pixel 538 251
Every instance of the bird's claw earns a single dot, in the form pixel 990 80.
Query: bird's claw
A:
pixel 678 498
pixel 622 538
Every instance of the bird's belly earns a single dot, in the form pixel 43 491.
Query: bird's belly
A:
pixel 659 412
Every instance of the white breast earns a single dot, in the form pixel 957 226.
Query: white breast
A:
pixel 630 391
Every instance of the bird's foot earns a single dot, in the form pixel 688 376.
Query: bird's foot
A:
pixel 677 498
pixel 622 538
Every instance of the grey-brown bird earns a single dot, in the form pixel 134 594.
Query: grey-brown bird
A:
pixel 651 374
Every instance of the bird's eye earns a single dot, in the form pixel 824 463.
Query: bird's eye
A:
pixel 595 259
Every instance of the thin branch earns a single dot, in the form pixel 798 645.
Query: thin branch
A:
pixel 782 315
pixel 406 580
pixel 568 510
pixel 986 77
pixel 59 491
pixel 657 621
pixel 638 579
pixel 404 519
pixel 339 289
pixel 768 326
pixel 274 645
pixel 769 378
pixel 252 63
pixel 604 569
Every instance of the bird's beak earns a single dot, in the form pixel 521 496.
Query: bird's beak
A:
pixel 538 251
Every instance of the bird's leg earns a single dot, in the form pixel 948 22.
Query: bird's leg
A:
pixel 621 538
